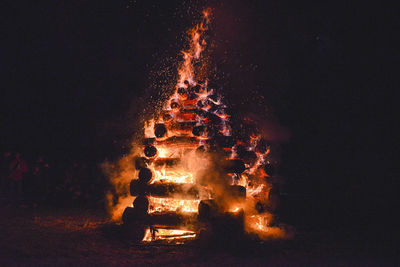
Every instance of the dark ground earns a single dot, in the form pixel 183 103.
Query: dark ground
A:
pixel 81 237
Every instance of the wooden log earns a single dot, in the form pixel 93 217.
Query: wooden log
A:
pixel 178 140
pixel 145 175
pixel 186 116
pixel 211 211
pixel 188 221
pixel 134 224
pixel 165 190
pixel 175 141
pixel 160 130
pixel 181 126
pixel 150 151
pixel 174 105
pixel 167 162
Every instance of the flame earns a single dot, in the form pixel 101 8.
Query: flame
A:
pixel 174 176
pixel 258 222
pixel 170 204
pixel 167 234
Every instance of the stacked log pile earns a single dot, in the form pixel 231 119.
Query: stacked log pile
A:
pixel 194 123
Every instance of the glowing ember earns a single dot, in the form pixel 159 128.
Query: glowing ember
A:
pixel 170 204
pixel 167 234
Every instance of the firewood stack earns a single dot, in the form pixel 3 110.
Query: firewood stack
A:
pixel 192 172
pixel 191 125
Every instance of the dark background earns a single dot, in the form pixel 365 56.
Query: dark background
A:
pixel 74 74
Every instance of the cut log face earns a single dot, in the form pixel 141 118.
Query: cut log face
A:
pixel 145 175
pixel 174 105
pixel 150 151
pixel 160 130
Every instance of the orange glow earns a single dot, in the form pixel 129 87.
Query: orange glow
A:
pixel 170 204
pixel 177 162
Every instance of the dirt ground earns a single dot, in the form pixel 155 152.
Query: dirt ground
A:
pixel 80 238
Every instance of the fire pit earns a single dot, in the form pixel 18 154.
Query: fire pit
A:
pixel 194 175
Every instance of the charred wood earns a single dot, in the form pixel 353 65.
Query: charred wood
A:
pixel 160 130
pixel 179 191
pixel 150 151
pixel 145 175
pixel 168 162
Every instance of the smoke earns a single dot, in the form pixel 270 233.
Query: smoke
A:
pixel 120 174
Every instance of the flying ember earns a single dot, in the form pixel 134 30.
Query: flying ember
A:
pixel 192 173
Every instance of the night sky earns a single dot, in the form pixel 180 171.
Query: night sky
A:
pixel 75 74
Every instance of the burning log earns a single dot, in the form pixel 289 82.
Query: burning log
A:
pixel 189 103
pixel 207 208
pixel 145 175
pixel 168 162
pixel 167 117
pixel 186 221
pixel 141 205
pixel 160 130
pixel 150 151
pixel 180 191
pixel 187 115
pixel 174 140
pixel 223 223
pixel 134 224
pixel 182 92
pixel 174 105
